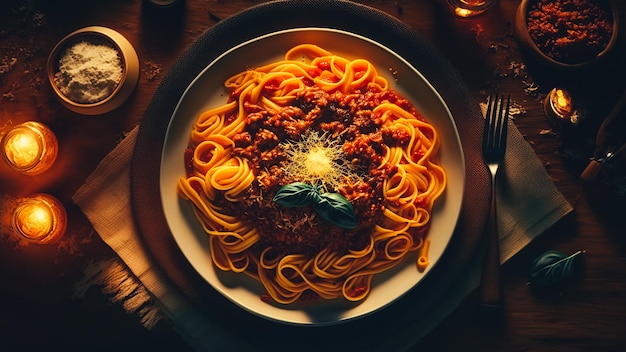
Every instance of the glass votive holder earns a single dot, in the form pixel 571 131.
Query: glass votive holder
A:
pixel 30 148
pixel 468 8
pixel 559 108
pixel 40 218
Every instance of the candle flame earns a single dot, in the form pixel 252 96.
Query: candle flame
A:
pixel 562 103
pixel 22 149
pixel 30 148
pixel 463 12
pixel 40 218
pixel 34 220
pixel 473 8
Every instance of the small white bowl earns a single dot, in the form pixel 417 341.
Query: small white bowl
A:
pixel 129 62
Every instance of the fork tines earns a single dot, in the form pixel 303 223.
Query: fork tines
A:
pixel 496 130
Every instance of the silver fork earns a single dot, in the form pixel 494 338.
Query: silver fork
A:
pixel 494 146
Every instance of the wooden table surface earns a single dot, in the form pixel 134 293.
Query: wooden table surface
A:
pixel 37 283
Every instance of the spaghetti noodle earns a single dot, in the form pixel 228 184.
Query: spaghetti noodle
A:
pixel 332 127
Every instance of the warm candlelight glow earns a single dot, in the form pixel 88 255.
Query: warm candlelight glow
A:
pixel 469 8
pixel 40 219
pixel 559 109
pixel 561 102
pixel 30 148
pixel 463 12
pixel 34 220
pixel 22 149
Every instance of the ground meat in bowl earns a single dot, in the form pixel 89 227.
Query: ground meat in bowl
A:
pixel 570 31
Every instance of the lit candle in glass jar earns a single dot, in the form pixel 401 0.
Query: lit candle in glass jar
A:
pixel 40 219
pixel 468 8
pixel 30 147
pixel 559 109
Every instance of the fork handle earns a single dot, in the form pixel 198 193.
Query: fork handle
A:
pixel 490 286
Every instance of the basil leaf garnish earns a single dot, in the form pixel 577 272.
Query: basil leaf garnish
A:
pixel 553 268
pixel 332 207
pixel 297 194
pixel 336 209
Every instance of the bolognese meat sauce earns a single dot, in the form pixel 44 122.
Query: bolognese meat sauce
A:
pixel 349 117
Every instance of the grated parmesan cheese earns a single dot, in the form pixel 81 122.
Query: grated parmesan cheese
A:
pixel 88 72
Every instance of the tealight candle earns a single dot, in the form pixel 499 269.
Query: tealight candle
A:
pixel 30 148
pixel 558 107
pixel 468 8
pixel 40 219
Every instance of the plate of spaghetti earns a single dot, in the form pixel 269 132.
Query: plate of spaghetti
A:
pixel 312 176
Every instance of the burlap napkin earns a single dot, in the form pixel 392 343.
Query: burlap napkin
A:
pixel 105 200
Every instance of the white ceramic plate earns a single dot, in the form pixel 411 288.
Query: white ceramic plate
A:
pixel 207 91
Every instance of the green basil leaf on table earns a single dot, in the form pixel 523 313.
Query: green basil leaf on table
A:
pixel 553 268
